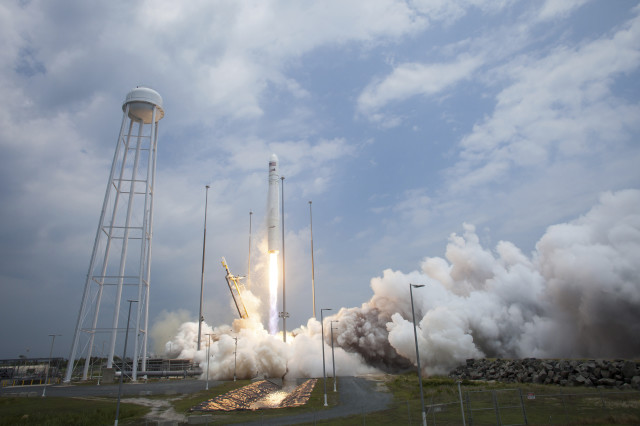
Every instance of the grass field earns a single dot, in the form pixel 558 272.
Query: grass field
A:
pixel 56 411
pixel 484 404
pixel 500 403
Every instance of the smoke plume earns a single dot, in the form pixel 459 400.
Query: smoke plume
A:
pixel 576 295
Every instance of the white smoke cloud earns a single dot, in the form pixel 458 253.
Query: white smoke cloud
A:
pixel 165 327
pixel 260 354
pixel 576 295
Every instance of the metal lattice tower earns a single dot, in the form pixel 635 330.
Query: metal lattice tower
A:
pixel 121 257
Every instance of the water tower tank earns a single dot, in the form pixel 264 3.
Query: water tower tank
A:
pixel 141 101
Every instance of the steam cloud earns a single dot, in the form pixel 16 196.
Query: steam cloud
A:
pixel 576 295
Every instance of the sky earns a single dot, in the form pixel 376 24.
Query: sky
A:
pixel 406 123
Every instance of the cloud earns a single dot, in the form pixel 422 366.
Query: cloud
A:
pixel 553 9
pixel 413 79
pixel 557 106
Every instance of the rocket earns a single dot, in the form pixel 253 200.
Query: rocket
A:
pixel 273 211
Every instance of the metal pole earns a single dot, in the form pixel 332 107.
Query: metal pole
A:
pixel 324 373
pixel 125 244
pixel 313 274
pixel 101 363
pixel 524 412
pixel 46 377
pixel 461 405
pixel 249 261
pixel 208 346
pixel 333 358
pixel 284 304
pixel 415 335
pixel 86 293
pixel 204 244
pixel 235 359
pixel 145 258
pixel 124 355
pixel 496 408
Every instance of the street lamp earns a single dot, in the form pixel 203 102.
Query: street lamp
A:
pixel 333 357
pixel 208 346
pixel 324 373
pixel 46 377
pixel 461 405
pixel 284 314
pixel 204 244
pixel 235 359
pixel 249 260
pixel 124 355
pixel 313 275
pixel 415 335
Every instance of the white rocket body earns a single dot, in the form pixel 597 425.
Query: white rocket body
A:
pixel 273 211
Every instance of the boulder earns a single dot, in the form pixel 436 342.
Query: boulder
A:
pixel 629 369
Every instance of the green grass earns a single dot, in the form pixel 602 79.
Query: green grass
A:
pixel 552 404
pixel 53 411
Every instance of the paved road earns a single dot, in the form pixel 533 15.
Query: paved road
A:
pixel 168 387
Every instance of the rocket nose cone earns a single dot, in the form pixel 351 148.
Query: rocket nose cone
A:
pixel 273 157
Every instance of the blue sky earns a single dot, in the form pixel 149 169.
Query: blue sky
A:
pixel 400 120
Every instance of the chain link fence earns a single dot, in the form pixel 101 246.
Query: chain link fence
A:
pixel 507 407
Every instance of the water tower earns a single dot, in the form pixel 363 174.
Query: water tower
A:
pixel 120 263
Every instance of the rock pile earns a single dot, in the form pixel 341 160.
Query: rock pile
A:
pixel 617 373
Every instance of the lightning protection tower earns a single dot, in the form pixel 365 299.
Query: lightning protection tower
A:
pixel 121 257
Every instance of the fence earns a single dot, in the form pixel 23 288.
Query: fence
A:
pixel 507 407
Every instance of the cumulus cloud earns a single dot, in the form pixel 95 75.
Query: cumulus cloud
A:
pixel 413 79
pixel 559 8
pixel 557 106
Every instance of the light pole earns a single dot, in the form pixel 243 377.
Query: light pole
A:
pixel 333 357
pixel 324 373
pixel 124 355
pixel 415 335
pixel 313 274
pixel 284 314
pixel 235 359
pixel 204 245
pixel 249 260
pixel 101 363
pixel 461 405
pixel 46 377
pixel 208 346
